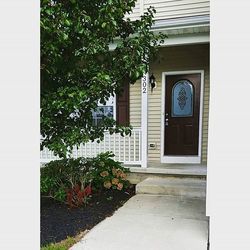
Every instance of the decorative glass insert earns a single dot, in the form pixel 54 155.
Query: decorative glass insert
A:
pixel 182 99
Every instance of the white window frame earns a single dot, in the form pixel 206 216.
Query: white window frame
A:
pixel 110 104
pixel 186 158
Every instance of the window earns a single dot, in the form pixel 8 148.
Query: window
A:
pixel 117 106
pixel 107 110
pixel 182 99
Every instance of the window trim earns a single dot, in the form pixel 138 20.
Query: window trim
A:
pixel 114 106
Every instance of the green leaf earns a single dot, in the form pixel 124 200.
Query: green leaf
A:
pixel 78 70
pixel 49 11
pixel 67 22
pixel 65 36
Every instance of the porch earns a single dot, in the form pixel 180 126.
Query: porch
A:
pixel 127 150
pixel 143 151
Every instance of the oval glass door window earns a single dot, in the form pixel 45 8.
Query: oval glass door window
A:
pixel 182 99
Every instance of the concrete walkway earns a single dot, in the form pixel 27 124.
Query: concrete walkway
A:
pixel 151 222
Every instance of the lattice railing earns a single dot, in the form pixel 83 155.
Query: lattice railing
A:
pixel 127 149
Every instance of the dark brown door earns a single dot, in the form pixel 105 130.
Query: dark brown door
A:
pixel 182 109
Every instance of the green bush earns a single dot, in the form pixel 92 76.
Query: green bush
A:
pixel 109 173
pixel 72 180
pixel 67 180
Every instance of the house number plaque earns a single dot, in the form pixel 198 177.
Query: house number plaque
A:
pixel 144 84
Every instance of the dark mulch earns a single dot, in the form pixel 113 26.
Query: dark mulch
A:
pixel 58 221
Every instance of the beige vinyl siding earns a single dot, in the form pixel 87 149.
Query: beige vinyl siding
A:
pixel 136 12
pixel 172 8
pixel 176 58
pixel 179 58
pixel 177 8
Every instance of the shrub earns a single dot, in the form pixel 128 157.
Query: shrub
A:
pixel 67 180
pixel 108 173
pixel 71 180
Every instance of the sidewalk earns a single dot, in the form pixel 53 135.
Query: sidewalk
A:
pixel 151 222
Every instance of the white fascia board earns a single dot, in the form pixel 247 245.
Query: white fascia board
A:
pixel 194 38
pixel 184 22
pixel 179 24
pixel 186 39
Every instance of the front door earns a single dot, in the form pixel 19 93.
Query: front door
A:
pixel 182 110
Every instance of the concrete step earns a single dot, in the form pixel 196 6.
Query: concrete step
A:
pixel 186 187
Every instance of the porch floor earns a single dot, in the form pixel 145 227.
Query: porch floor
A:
pixel 172 169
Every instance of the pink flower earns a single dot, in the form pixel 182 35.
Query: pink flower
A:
pixel 119 173
pixel 119 186
pixel 123 176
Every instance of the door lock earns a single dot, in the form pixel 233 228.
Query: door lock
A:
pixel 166 120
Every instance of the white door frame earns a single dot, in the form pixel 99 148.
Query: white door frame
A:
pixel 186 158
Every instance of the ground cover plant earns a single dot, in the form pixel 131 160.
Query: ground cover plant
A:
pixel 76 194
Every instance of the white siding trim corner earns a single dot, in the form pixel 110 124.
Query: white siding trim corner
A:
pixel 144 120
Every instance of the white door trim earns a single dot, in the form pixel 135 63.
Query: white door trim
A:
pixel 186 158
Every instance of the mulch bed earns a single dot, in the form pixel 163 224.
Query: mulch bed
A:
pixel 58 221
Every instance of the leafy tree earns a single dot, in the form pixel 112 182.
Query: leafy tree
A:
pixel 78 68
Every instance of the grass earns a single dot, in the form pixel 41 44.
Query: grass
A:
pixel 65 244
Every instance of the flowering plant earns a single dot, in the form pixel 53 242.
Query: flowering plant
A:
pixel 109 174
pixel 72 181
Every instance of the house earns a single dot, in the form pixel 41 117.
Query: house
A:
pixel 168 109
pixel 170 121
